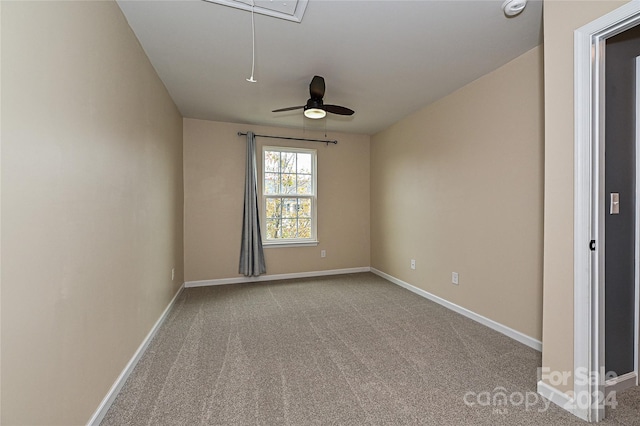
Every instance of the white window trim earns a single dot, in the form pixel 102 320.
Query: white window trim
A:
pixel 290 243
pixel 297 242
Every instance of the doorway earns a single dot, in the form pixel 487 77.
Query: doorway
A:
pixel 592 205
pixel 621 216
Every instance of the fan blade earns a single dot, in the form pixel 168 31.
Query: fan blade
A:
pixel 288 109
pixel 337 109
pixel 316 88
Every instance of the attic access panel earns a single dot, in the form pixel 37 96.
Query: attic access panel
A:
pixel 291 10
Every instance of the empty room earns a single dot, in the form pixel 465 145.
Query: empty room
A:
pixel 346 212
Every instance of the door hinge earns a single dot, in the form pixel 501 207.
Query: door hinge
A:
pixel 592 245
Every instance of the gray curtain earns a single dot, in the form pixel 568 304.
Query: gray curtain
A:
pixel 251 253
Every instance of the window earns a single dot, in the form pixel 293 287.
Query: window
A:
pixel 289 194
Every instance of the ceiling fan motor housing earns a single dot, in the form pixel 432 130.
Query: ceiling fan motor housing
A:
pixel 314 109
pixel 314 103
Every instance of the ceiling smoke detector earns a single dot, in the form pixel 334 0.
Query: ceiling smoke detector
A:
pixel 513 7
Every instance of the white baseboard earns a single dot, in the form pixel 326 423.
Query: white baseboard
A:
pixel 242 280
pixel 560 399
pixel 620 383
pixel 566 402
pixel 122 378
pixel 507 331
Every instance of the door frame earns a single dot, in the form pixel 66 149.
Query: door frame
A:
pixel 636 346
pixel 589 201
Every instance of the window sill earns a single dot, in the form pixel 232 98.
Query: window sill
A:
pixel 290 244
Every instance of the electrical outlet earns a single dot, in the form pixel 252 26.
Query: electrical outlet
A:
pixel 413 264
pixel 173 274
pixel 323 253
pixel 454 278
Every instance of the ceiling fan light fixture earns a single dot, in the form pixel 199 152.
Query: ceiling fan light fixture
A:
pixel 315 108
pixel 314 113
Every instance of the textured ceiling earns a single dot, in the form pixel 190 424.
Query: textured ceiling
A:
pixel 383 59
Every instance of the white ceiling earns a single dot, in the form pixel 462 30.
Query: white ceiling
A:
pixel 382 58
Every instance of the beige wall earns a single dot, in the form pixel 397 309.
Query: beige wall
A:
pixel 214 157
pixel 561 19
pixel 458 187
pixel 91 206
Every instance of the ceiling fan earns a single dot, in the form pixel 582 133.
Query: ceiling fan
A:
pixel 315 108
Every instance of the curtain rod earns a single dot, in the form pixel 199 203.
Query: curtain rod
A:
pixel 291 139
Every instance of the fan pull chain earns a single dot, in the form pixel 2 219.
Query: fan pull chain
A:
pixel 253 35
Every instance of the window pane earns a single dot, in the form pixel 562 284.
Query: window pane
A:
pixel 304 184
pixel 304 163
pixel 288 162
pixel 271 161
pixel 304 207
pixel 271 183
pixel 289 228
pixel 304 228
pixel 273 208
pixel 288 184
pixel 290 207
pixel 273 229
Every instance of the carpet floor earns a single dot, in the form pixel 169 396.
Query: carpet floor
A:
pixel 339 350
